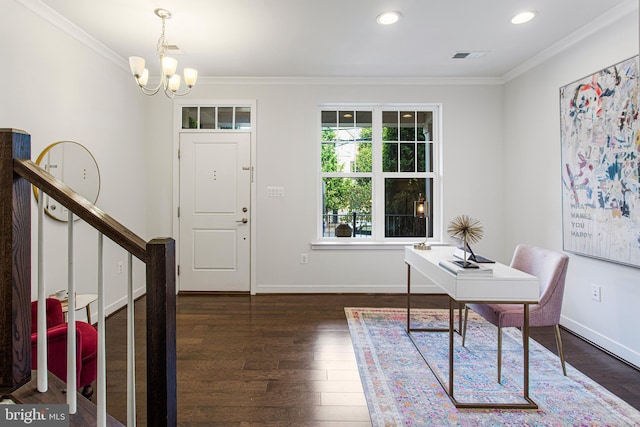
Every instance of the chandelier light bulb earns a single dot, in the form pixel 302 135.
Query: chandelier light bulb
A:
pixel 190 77
pixel 169 66
pixel 137 65
pixel 144 78
pixel 174 83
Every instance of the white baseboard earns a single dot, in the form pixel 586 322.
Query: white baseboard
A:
pixel 117 305
pixel 342 289
pixel 617 349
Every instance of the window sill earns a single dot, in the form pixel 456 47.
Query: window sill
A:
pixel 357 245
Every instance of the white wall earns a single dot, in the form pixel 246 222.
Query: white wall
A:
pixel 287 137
pixel 56 88
pixel 533 209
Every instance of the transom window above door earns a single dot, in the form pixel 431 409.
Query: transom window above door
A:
pixel 216 117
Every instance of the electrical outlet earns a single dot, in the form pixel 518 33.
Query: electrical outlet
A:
pixel 120 267
pixel 595 293
pixel 304 258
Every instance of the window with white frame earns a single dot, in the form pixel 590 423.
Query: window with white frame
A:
pixel 375 162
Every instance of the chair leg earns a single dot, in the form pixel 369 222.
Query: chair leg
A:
pixel 556 328
pixel 464 327
pixel 499 355
pixel 87 392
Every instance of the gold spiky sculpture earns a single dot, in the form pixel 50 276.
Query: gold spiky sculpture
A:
pixel 467 229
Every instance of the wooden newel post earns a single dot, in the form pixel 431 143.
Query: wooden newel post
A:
pixel 15 263
pixel 161 333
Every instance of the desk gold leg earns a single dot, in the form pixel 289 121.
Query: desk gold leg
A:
pixel 408 298
pixel 525 334
pixel 451 332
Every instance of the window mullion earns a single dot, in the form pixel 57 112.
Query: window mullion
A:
pixel 377 217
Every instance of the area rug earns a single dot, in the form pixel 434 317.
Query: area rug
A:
pixel 401 390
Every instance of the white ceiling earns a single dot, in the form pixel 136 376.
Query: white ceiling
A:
pixel 338 38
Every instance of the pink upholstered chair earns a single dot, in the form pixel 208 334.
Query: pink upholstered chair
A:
pixel 551 269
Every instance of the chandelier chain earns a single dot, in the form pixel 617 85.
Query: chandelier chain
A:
pixel 161 47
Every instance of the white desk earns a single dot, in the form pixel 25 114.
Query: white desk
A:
pixel 505 285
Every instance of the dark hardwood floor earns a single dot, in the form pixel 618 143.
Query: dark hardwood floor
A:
pixel 287 360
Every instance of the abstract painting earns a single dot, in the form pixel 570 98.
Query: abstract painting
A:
pixel 600 141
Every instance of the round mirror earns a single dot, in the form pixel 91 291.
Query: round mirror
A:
pixel 74 165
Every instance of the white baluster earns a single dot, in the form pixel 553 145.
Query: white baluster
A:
pixel 43 383
pixel 131 349
pixel 72 389
pixel 102 368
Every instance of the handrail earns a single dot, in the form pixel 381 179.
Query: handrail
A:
pixel 81 207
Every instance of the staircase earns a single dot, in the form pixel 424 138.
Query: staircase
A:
pixel 17 174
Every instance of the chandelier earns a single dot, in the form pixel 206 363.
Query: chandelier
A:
pixel 169 80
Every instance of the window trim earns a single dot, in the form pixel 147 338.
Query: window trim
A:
pixel 377 240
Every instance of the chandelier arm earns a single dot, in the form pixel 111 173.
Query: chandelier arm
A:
pixel 176 93
pixel 150 91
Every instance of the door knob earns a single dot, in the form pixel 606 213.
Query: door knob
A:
pixel 243 220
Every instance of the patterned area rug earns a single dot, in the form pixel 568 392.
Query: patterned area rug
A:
pixel 401 390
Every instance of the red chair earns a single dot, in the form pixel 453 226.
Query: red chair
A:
pixel 86 346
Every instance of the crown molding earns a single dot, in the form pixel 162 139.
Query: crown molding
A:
pixel 355 81
pixel 62 23
pixel 606 19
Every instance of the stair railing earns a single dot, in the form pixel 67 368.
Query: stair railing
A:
pixel 17 174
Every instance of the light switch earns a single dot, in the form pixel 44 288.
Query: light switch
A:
pixel 275 191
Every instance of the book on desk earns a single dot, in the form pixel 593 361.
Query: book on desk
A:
pixel 471 256
pixel 472 269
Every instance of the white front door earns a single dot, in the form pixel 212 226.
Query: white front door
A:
pixel 215 190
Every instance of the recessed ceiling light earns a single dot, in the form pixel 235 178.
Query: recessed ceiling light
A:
pixel 388 18
pixel 523 17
